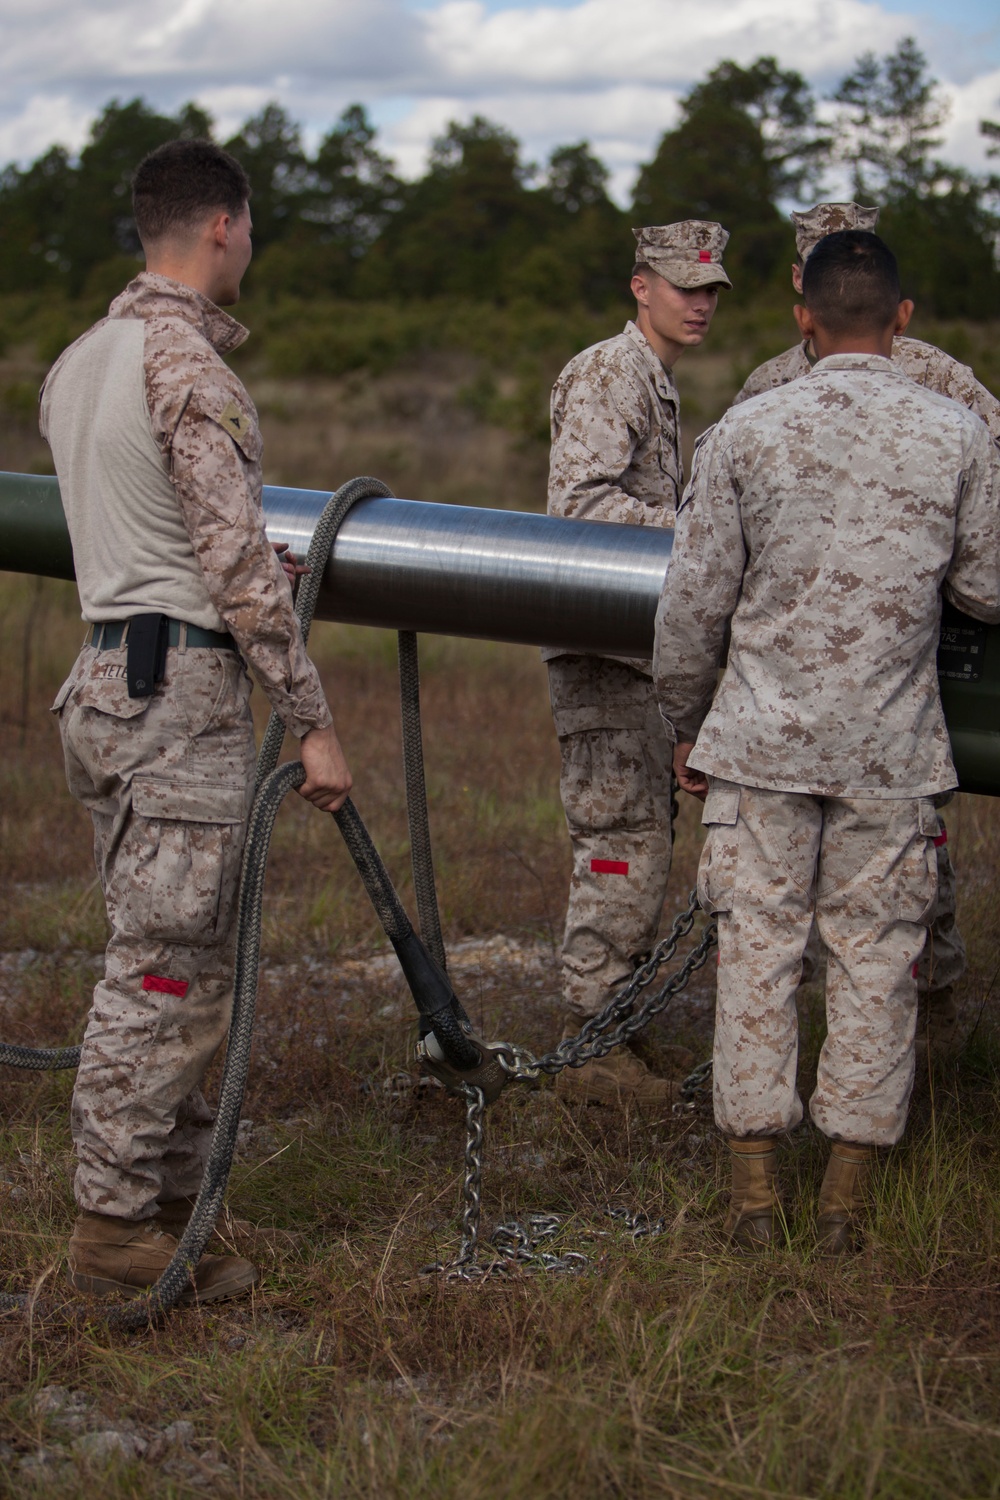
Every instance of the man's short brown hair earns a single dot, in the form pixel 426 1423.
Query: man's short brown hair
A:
pixel 176 186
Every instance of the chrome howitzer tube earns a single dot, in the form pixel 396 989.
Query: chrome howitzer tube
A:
pixel 509 576
pixel 439 569
pixel 494 574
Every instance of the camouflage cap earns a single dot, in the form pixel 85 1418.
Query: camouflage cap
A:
pixel 688 254
pixel 829 218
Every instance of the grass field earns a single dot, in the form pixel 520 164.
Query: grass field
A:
pixel 667 1366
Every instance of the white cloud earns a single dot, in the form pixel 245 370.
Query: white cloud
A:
pixel 975 101
pixel 609 71
pixel 96 41
pixel 599 41
pixel 42 121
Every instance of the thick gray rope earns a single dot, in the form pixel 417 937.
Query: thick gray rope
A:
pixel 43 1059
pixel 421 858
pixel 307 593
pixel 176 1278
pixel 271 788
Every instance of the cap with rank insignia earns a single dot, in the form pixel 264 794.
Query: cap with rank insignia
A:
pixel 687 254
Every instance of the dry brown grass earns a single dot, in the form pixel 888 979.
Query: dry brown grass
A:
pixel 668 1368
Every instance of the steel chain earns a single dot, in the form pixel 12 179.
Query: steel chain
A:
pixel 595 1038
pixel 695 1091
pixel 475 1108
pixel 528 1244
pixel 519 1243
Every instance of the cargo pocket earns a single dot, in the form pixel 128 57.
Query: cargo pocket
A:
pixel 177 872
pixel 605 781
pixel 717 867
pixel 98 680
pixel 917 878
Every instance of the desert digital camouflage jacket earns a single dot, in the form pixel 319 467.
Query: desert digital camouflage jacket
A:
pixel 924 363
pixel 615 439
pixel 157 449
pixel 615 436
pixel 823 519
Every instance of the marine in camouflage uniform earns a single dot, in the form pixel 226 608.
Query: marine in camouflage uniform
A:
pixel 616 457
pixel 821 521
pixel 942 963
pixel 924 363
pixel 157 448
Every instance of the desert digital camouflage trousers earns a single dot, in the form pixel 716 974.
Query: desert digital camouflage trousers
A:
pixel 167 781
pixel 867 869
pixel 615 788
pixel 943 960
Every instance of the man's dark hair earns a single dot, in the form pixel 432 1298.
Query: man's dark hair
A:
pixel 176 186
pixel 850 282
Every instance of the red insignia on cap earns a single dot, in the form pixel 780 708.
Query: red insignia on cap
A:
pixel 704 255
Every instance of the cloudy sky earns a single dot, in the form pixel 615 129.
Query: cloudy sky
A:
pixel 609 71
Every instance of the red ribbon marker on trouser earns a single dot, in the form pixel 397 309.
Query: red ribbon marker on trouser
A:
pixel 164 986
pixel 609 866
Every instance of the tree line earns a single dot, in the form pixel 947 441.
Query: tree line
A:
pixel 484 225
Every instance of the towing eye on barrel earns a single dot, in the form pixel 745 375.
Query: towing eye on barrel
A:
pixel 448 1046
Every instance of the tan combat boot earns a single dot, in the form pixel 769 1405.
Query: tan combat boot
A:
pixel 109 1255
pixel 753 1198
pixel 229 1233
pixel 841 1197
pixel 619 1078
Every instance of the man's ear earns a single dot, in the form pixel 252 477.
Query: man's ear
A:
pixel 218 229
pixel 640 289
pixel 903 316
pixel 797 277
pixel 804 318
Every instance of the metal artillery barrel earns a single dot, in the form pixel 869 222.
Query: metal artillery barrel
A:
pixel 445 569
pixel 509 576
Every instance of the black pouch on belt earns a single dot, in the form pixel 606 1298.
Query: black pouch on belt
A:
pixel 146 661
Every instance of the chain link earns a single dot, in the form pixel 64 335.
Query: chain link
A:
pixel 596 1037
pixel 475 1107
pixel 523 1243
pixel 696 1090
